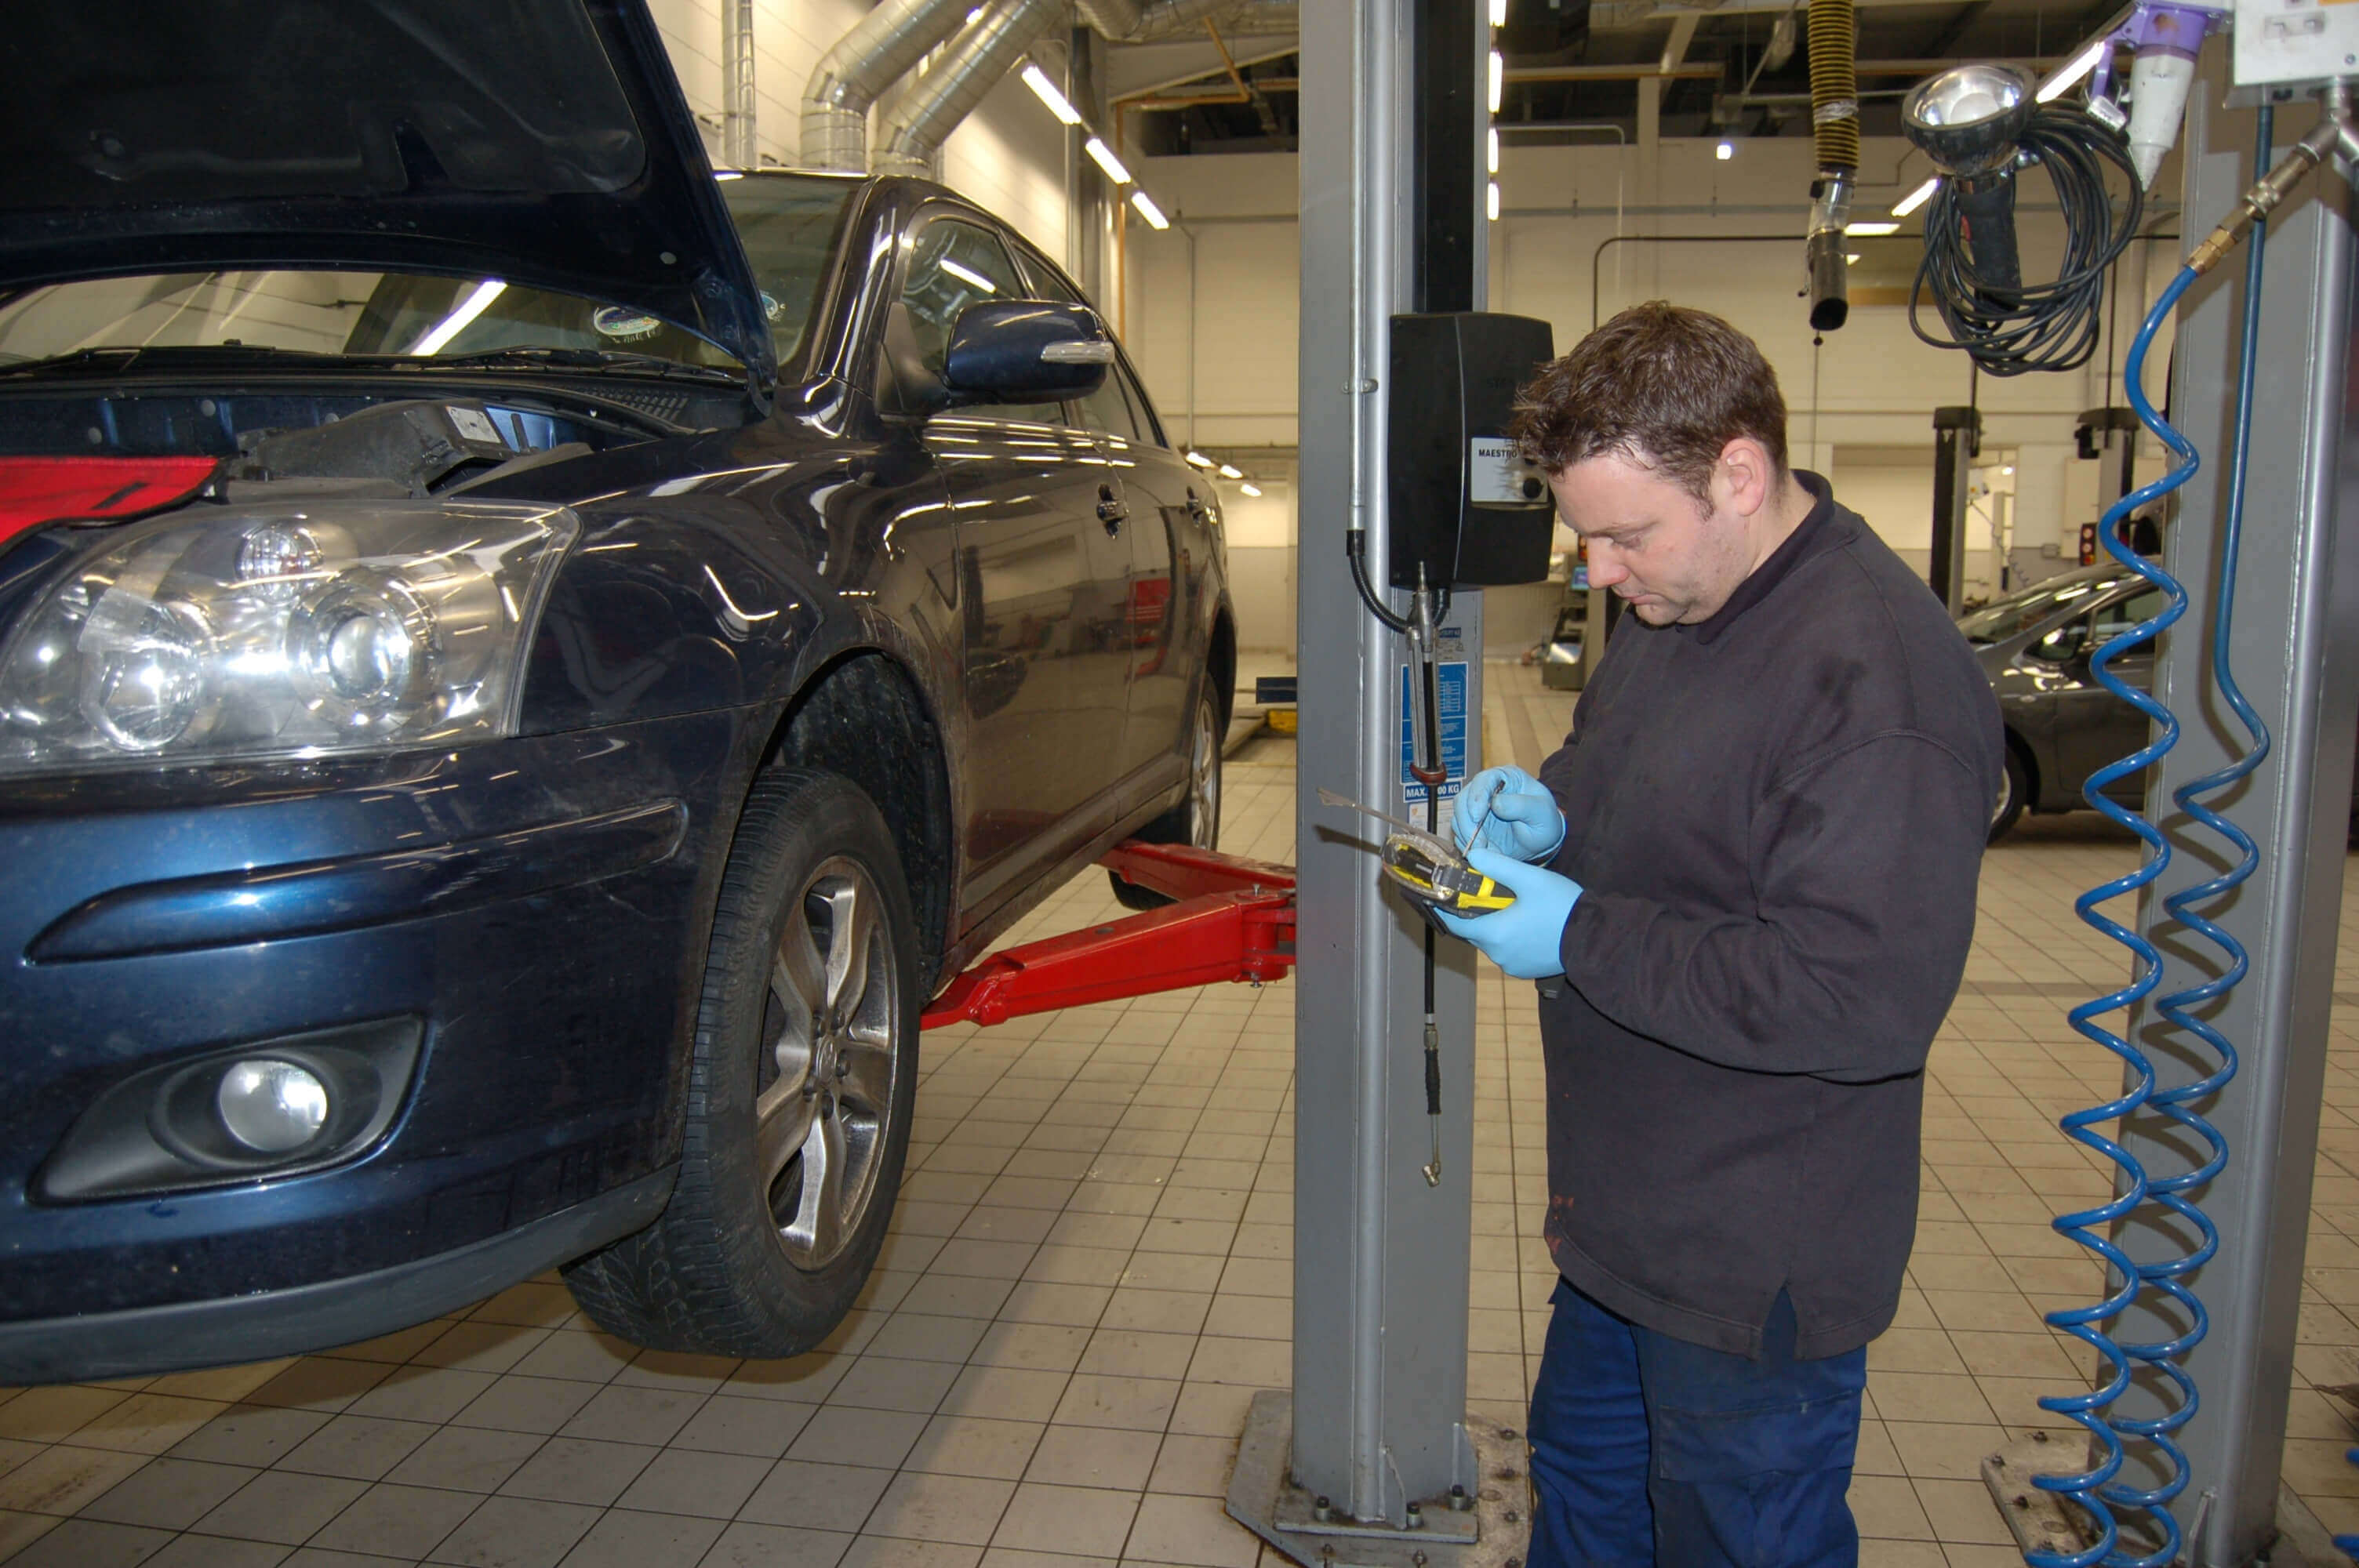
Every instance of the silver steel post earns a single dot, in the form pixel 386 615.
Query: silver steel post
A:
pixel 1379 1431
pixel 2296 641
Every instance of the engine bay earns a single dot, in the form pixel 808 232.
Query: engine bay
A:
pixel 354 441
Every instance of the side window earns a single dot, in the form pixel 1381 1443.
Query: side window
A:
pixel 2119 617
pixel 1106 409
pixel 2085 634
pixel 952 265
pixel 1150 429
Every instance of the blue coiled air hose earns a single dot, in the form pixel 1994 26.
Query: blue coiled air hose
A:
pixel 2097 1489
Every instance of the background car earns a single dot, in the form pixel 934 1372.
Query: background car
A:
pixel 537 665
pixel 2061 726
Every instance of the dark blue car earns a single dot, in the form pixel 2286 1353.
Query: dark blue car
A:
pixel 522 665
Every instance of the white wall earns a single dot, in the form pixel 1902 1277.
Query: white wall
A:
pixel 1261 536
pixel 1010 155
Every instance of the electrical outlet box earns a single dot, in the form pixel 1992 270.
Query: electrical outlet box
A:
pixel 2284 42
pixel 1462 506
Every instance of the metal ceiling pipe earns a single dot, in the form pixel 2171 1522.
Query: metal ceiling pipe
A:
pixel 1620 16
pixel 884 46
pixel 738 148
pixel 1153 21
pixel 978 58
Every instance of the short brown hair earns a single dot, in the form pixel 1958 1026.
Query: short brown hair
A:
pixel 1661 384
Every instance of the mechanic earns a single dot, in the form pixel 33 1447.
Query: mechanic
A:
pixel 1754 891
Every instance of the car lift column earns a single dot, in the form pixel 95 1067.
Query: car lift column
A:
pixel 2296 658
pixel 2297 654
pixel 1957 435
pixel 1358 1466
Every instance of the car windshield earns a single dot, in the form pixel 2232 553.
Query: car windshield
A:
pixel 2020 613
pixel 788 225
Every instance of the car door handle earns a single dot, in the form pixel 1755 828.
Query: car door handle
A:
pixel 1111 510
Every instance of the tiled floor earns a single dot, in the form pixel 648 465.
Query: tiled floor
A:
pixel 1090 1273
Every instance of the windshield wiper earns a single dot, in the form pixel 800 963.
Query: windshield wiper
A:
pixel 595 361
pixel 120 357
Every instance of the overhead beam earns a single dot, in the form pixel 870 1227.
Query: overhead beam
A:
pixel 1955 27
pixel 1683 32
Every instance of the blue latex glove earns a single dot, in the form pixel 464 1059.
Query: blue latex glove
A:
pixel 1511 811
pixel 1526 938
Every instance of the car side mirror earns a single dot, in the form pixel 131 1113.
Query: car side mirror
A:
pixel 1026 350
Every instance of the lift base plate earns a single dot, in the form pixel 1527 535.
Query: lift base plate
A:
pixel 1494 1534
pixel 2041 1522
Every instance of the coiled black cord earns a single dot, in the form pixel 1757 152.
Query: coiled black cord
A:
pixel 2048 326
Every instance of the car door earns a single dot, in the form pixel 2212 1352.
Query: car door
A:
pixel 2093 727
pixel 1041 578
pixel 1164 514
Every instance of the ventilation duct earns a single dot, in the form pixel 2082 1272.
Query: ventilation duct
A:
pixel 978 58
pixel 738 148
pixel 886 44
pixel 1834 115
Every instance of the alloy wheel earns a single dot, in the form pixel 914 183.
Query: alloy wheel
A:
pixel 827 1068
pixel 1204 779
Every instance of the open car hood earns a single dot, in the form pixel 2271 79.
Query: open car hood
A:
pixel 541 142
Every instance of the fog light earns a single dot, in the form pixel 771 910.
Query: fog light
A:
pixel 272 1108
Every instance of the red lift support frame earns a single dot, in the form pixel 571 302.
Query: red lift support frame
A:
pixel 1235 921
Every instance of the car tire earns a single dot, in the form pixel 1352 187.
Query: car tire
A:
pixel 801 1084
pixel 1196 820
pixel 2014 794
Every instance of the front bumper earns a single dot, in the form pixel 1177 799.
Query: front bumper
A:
pixel 539 905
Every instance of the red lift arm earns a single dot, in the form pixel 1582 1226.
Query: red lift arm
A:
pixel 1235 921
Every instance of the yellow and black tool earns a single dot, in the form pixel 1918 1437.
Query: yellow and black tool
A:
pixel 1427 868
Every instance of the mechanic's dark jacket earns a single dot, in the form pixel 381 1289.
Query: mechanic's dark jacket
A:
pixel 1778 816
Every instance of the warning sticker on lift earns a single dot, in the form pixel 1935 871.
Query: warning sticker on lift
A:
pixel 1451 679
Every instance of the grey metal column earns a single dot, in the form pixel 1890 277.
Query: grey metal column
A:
pixel 1380 1274
pixel 2296 641
pixel 1956 431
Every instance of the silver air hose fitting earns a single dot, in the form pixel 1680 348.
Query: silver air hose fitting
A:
pixel 2333 135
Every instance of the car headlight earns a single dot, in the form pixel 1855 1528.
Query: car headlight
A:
pixel 281 631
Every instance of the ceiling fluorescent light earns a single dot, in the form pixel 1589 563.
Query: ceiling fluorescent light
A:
pixel 1871 230
pixel 1495 149
pixel 1103 155
pixel 2079 66
pixel 1147 209
pixel 1251 488
pixel 1917 197
pixel 1199 459
pixel 1499 12
pixel 1498 80
pixel 1491 202
pixel 1046 90
pixel 1230 471
pixel 478 299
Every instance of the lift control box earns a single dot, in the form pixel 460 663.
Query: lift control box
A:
pixel 1463 503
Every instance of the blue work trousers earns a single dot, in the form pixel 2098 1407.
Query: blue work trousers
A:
pixel 1648 1450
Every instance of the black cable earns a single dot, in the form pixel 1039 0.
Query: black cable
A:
pixel 2048 326
pixel 1356 547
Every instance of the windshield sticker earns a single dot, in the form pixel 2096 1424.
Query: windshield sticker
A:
pixel 618 321
pixel 770 306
